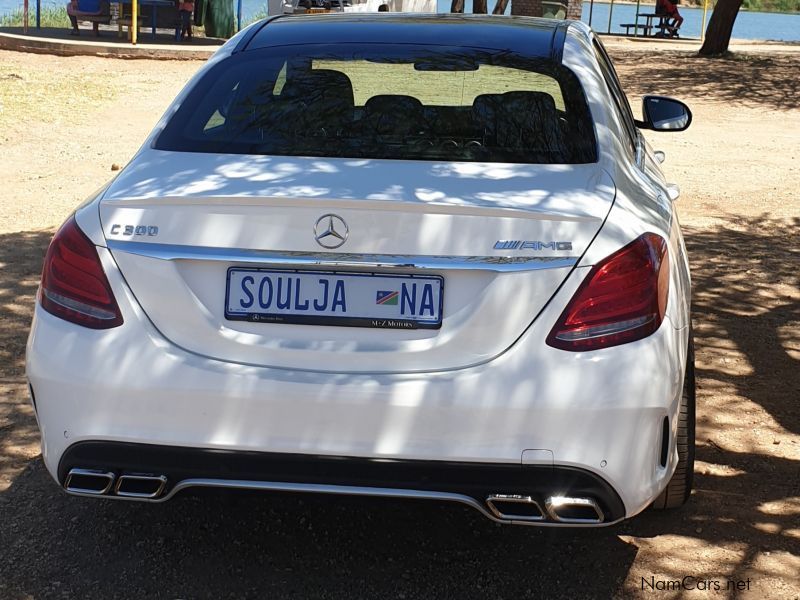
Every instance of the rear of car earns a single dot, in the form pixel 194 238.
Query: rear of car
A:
pixel 392 256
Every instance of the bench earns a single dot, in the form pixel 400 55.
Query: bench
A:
pixel 104 17
pixel 636 26
pixel 152 12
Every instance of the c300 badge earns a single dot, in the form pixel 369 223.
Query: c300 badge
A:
pixel 147 230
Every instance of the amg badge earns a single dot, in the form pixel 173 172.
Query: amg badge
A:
pixel 531 245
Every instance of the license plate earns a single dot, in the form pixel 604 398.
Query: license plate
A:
pixel 334 298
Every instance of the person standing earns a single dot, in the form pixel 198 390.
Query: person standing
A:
pixel 185 10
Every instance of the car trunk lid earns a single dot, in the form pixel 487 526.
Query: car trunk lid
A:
pixel 501 238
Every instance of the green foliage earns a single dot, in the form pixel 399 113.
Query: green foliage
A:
pixel 51 16
pixel 785 6
pixel 261 14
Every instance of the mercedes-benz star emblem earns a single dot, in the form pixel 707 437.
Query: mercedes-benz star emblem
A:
pixel 330 231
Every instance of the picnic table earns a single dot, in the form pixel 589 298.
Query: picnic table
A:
pixel 661 26
pixel 648 26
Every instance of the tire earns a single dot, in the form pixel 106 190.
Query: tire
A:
pixel 680 486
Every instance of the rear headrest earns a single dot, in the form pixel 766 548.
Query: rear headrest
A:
pixel 487 105
pixel 317 101
pixel 388 114
pixel 319 84
pixel 384 103
pixel 519 120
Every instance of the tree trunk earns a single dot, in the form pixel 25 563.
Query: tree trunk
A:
pixel 500 7
pixel 720 27
pixel 480 7
pixel 457 6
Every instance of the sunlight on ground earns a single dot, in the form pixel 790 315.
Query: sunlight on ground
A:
pixel 49 96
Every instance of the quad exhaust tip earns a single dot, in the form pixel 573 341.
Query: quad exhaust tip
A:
pixel 565 509
pixel 516 508
pixel 95 482
pixel 89 481
pixel 140 486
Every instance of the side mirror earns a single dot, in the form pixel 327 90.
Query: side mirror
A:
pixel 664 114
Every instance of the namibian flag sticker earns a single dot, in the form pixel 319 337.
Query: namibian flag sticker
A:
pixel 387 297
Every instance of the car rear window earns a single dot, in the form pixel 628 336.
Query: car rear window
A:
pixel 400 101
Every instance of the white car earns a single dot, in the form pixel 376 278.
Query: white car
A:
pixel 392 255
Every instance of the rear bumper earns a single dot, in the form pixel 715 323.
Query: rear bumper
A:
pixel 600 412
pixel 173 469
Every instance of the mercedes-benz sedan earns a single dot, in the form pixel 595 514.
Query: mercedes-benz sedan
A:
pixel 393 255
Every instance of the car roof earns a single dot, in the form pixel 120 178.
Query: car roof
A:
pixel 541 38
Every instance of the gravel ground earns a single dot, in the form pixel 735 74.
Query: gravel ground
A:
pixel 65 121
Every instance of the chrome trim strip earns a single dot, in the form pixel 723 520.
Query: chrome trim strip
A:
pixel 109 476
pixel 553 503
pixel 347 490
pixel 490 502
pixel 160 478
pixel 330 260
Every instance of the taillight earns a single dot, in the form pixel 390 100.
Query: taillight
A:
pixel 74 285
pixel 622 299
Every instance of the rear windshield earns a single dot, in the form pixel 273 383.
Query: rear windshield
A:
pixel 386 101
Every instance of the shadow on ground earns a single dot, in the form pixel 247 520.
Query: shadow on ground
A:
pixel 746 311
pixel 216 544
pixel 21 256
pixel 730 81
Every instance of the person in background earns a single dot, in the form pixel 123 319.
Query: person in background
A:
pixel 674 18
pixel 76 8
pixel 185 10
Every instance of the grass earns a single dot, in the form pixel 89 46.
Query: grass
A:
pixel 456 88
pixel 782 6
pixel 51 16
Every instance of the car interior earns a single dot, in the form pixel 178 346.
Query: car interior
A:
pixel 310 111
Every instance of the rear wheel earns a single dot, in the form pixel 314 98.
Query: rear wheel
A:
pixel 680 486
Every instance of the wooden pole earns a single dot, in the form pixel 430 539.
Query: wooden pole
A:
pixel 610 12
pixel 25 17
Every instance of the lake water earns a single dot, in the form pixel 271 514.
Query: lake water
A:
pixel 749 25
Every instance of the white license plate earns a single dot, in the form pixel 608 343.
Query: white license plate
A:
pixel 333 298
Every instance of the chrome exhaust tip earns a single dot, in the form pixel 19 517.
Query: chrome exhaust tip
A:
pixel 515 508
pixel 142 486
pixel 564 509
pixel 89 481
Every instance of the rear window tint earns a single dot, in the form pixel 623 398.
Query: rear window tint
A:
pixel 382 101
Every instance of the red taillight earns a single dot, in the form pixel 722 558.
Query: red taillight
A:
pixel 622 299
pixel 74 285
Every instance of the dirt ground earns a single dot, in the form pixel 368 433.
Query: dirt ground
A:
pixel 65 121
